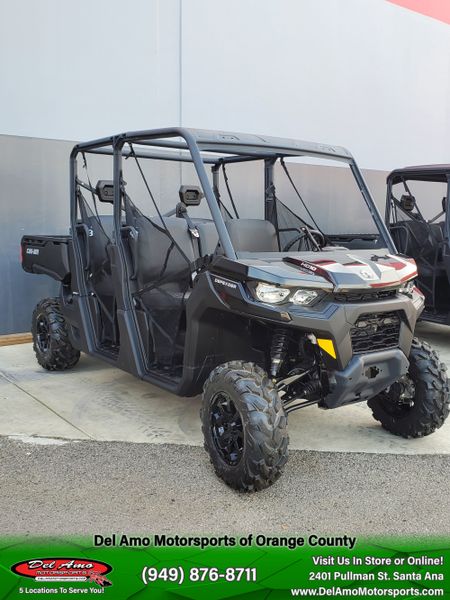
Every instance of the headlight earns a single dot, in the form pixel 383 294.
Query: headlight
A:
pixel 304 297
pixel 407 288
pixel 271 293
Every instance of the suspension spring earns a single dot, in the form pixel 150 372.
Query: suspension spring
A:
pixel 312 390
pixel 278 350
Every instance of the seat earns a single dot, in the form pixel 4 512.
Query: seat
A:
pixel 423 242
pixel 107 223
pixel 163 276
pixel 158 258
pixel 208 237
pixel 415 238
pixel 100 233
pixel 252 235
pixel 98 274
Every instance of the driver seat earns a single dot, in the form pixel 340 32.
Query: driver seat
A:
pixel 252 235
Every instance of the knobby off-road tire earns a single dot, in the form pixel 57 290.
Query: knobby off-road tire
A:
pixel 244 426
pixel 51 342
pixel 429 406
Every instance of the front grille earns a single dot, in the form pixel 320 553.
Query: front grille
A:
pixel 356 297
pixel 376 331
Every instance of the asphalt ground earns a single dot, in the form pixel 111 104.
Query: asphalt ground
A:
pixel 89 487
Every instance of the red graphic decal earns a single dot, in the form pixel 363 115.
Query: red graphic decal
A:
pixel 395 264
pixel 436 9
pixel 324 262
pixel 390 283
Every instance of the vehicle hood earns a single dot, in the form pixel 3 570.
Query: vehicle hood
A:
pixel 332 269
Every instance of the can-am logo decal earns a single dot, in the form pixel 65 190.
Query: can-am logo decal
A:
pixel 64 569
pixel 366 274
pixel 33 251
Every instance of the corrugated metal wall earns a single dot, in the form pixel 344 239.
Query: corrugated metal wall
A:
pixel 35 188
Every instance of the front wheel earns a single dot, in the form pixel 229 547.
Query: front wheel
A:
pixel 418 403
pixel 244 426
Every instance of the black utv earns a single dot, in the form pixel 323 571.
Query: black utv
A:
pixel 417 216
pixel 218 286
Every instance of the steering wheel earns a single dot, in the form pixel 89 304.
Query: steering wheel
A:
pixel 309 234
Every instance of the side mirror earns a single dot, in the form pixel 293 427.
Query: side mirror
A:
pixel 105 191
pixel 190 195
pixel 407 202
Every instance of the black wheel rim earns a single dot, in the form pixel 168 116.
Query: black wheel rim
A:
pixel 42 334
pixel 227 430
pixel 399 399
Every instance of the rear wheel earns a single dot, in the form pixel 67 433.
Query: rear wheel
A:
pixel 244 426
pixel 51 341
pixel 417 404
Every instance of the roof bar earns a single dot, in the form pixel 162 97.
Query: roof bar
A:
pixel 153 155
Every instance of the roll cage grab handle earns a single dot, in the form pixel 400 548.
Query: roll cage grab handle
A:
pixel 117 143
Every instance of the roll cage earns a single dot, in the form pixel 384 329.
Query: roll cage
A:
pixel 425 240
pixel 200 147
pixel 427 174
pixel 132 278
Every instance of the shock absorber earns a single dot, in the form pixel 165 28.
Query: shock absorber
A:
pixel 312 390
pixel 278 350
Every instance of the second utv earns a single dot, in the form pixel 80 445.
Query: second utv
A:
pixel 417 216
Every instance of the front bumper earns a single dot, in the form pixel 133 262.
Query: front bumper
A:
pixel 365 376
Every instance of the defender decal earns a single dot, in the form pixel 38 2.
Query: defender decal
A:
pixel 226 283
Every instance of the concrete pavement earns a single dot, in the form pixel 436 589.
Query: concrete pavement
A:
pixel 98 402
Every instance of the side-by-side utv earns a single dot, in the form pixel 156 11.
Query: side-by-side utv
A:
pixel 266 306
pixel 417 216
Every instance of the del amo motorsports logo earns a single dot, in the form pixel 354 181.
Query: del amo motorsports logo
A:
pixel 64 570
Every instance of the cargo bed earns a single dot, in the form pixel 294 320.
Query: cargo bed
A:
pixel 47 255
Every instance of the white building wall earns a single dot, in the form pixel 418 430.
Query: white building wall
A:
pixel 85 69
pixel 366 74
